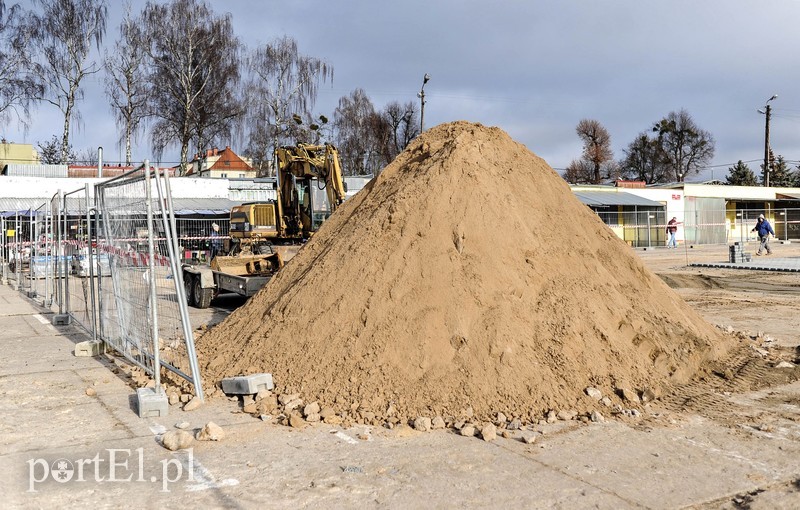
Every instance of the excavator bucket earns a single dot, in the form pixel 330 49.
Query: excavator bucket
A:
pixel 248 265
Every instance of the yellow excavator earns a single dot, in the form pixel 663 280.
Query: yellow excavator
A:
pixel 309 188
pixel 264 235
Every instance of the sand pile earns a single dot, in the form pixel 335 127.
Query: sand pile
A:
pixel 466 274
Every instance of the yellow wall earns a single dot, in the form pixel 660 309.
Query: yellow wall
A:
pixel 18 153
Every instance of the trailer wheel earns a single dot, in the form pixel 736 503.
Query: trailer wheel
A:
pixel 188 287
pixel 202 297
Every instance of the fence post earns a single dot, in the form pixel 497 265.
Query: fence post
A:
pixel 3 250
pixel 180 289
pixel 31 228
pixel 17 256
pixel 151 252
pixel 65 237
pixel 48 255
pixel 90 256
pixel 97 212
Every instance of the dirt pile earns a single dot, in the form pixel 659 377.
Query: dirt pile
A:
pixel 466 275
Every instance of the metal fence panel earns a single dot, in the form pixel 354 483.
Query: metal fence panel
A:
pixel 77 245
pixel 140 306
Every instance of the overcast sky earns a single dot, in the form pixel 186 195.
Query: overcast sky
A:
pixel 533 68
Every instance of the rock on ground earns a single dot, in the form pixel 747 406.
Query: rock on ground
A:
pixel 176 440
pixel 489 432
pixel 211 432
pixel 193 404
pixel 422 423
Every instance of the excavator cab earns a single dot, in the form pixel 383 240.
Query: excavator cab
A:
pixel 310 186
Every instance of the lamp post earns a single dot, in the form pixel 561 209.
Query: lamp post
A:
pixel 767 110
pixel 421 96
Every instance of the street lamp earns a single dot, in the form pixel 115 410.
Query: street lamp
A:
pixel 421 96
pixel 766 111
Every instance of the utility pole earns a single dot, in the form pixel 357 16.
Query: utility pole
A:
pixel 421 96
pixel 767 111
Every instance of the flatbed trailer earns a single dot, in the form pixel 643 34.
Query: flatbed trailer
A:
pixel 203 284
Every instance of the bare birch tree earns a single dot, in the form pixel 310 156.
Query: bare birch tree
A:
pixel 125 83
pixel 596 149
pixel 282 83
pixel 19 84
pixel 65 31
pixel 195 75
pixel 356 139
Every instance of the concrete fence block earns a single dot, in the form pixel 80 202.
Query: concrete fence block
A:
pixel 151 403
pixel 247 384
pixel 90 348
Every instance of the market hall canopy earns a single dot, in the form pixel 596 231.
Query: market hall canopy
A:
pixel 612 198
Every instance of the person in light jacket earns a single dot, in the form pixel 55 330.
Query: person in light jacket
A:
pixel 764 229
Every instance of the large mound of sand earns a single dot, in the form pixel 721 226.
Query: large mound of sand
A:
pixel 466 274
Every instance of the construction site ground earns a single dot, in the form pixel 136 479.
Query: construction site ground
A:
pixel 720 449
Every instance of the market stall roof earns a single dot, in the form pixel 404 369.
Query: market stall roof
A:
pixel 609 198
pixel 183 206
pixel 203 206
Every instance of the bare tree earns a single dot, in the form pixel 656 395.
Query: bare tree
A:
pixel 354 123
pixel 684 146
pixel 282 83
pixel 400 125
pixel 195 71
pixel 65 31
pixel 87 157
pixel 643 161
pixel 126 87
pixel 19 86
pixel 596 149
pixel 579 171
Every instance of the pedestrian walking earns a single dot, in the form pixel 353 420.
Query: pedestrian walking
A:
pixel 764 230
pixel 672 229
pixel 216 241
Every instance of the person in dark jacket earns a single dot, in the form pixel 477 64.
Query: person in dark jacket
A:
pixel 672 229
pixel 764 229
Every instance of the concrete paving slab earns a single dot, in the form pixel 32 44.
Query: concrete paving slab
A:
pixel 27 352
pixel 12 304
pixel 670 467
pixel 41 411
pixel 258 465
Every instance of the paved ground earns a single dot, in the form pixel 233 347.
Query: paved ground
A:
pixel 57 444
